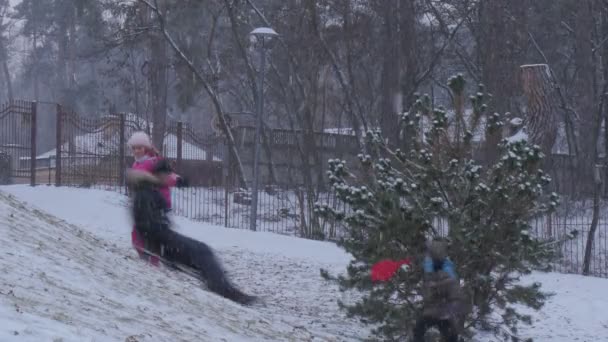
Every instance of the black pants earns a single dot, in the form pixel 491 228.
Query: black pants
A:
pixel 444 326
pixel 180 249
pixel 150 213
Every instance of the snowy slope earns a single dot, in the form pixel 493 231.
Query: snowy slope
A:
pixel 91 276
pixel 66 281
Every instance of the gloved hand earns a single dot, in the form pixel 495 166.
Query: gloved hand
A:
pixel 182 182
pixel 135 177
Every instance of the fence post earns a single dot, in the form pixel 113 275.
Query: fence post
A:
pixel 226 172
pixel 180 138
pixel 33 144
pixel 121 150
pixel 58 144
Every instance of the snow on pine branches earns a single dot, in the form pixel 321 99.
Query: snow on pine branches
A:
pixel 401 195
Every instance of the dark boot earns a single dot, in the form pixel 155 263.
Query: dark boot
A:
pixel 199 256
pixel 422 324
pixel 444 326
pixel 447 331
pixel 217 282
pixel 237 295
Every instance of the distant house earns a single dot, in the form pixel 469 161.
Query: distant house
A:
pixel 189 150
pixel 91 148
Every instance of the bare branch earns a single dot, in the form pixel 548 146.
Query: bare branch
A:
pixel 354 117
pixel 208 88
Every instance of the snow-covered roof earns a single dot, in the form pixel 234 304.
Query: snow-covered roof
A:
pixel 189 151
pixel 106 142
pixel 98 143
pixel 340 131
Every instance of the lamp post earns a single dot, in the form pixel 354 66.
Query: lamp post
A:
pixel 263 36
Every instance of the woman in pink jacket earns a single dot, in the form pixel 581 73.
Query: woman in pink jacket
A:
pixel 146 158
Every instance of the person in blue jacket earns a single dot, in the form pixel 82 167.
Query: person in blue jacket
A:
pixel 437 259
pixel 441 294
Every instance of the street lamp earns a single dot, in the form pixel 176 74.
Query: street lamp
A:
pixel 263 37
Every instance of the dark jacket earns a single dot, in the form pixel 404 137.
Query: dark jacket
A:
pixel 443 297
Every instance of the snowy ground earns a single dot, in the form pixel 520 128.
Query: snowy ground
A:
pixel 81 278
pixel 70 274
pixel 577 311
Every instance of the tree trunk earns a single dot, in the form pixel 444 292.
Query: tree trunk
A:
pixel 604 31
pixel 500 58
pixel 63 45
pixel 71 62
pixel 266 135
pixel 391 96
pixel 5 70
pixel 596 123
pixel 9 83
pixel 158 87
pixel 407 53
pixel 596 213
pixel 584 92
pixel 541 120
pixel 36 67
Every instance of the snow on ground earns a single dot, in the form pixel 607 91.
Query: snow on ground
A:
pixel 87 277
pixel 577 311
pixel 70 274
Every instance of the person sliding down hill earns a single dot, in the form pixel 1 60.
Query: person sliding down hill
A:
pixel 146 157
pixel 150 213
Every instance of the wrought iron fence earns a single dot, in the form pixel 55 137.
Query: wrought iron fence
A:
pixel 567 230
pixel 571 230
pixel 92 152
pixel 18 141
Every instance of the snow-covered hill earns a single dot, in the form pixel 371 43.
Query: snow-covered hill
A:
pixel 81 281
pixel 68 273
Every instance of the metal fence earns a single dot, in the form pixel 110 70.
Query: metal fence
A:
pixel 18 141
pixel 567 230
pixel 92 153
pixel 571 227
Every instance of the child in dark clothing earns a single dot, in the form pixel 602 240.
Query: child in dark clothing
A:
pixel 146 157
pixel 150 213
pixel 442 297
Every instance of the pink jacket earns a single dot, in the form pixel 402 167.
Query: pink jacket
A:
pixel 147 164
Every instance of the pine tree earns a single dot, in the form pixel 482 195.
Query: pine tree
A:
pixel 400 196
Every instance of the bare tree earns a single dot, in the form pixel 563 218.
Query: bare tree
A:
pixel 4 46
pixel 599 33
pixel 206 84
pixel 157 76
